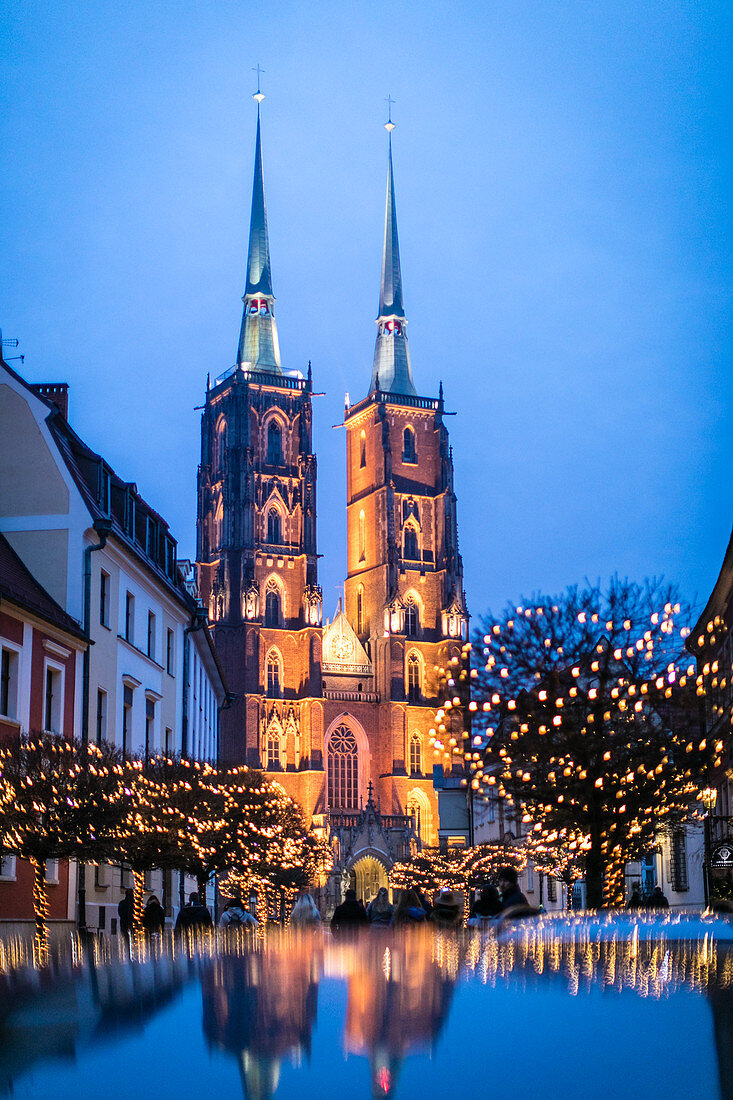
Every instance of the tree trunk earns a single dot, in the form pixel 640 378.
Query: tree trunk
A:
pixel 201 887
pixel 40 908
pixel 138 883
pixel 594 870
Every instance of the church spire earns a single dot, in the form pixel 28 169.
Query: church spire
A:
pixel 259 348
pixel 392 371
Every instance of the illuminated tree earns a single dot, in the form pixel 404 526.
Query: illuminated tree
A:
pixel 457 868
pixel 58 800
pixel 591 724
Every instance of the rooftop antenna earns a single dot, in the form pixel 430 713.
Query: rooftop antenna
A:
pixel 9 342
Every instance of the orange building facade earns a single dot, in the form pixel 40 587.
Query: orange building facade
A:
pixel 340 713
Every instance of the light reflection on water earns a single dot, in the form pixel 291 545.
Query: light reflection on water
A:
pixel 578 1008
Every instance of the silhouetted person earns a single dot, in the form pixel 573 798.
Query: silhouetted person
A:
pixel 447 910
pixel 349 915
pixel 408 910
pixel 380 910
pixel 487 904
pixel 125 911
pixel 511 895
pixel 153 916
pixel 635 901
pixel 658 900
pixel 193 917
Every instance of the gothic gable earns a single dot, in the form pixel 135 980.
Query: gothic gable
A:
pixel 342 651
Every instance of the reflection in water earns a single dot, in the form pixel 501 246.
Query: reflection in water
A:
pixel 260 996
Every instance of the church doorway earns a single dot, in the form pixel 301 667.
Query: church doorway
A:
pixel 370 875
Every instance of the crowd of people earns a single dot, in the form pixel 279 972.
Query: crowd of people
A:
pixel 412 908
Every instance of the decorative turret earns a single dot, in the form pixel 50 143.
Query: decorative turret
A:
pixel 392 372
pixel 259 348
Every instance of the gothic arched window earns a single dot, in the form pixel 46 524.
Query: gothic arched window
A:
pixel 274 444
pixel 362 536
pixel 274 762
pixel 273 606
pixel 343 770
pixel 415 755
pixel 274 674
pixel 219 444
pixel 413 811
pixel 360 609
pixel 409 451
pixel 412 550
pixel 274 534
pixel 414 688
pixel 362 450
pixel 412 617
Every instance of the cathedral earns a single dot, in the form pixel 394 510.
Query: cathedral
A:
pixel 339 713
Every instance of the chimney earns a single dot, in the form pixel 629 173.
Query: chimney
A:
pixel 56 393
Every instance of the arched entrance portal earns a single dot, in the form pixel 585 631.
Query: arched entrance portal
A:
pixel 370 875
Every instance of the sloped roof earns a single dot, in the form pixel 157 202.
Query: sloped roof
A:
pixel 342 650
pixel 18 586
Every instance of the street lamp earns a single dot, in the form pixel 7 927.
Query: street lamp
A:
pixel 709 799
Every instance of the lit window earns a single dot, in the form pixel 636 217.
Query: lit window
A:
pixel 273 674
pixel 360 609
pixel 415 755
pixel 412 618
pixel 362 450
pixel 343 770
pixel 414 692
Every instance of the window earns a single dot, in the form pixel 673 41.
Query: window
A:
pixel 273 751
pixel 343 770
pixel 7 868
pixel 530 878
pixel 415 756
pixel 149 726
pixel 362 450
pixel 412 618
pixel 409 453
pixel 169 651
pixel 274 444
pixel 360 609
pixel 104 598
pixel 362 536
pixel 220 442
pixel 551 888
pixel 678 862
pixel 168 740
pixel 129 617
pixel 412 552
pixel 414 692
pixel 272 607
pixel 273 674
pixel 413 811
pixel 53 700
pixel 126 718
pixel 9 683
pixel 151 635
pixel 273 526
pixel 52 872
pixel 101 716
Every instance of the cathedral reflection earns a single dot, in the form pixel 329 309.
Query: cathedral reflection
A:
pixel 261 1007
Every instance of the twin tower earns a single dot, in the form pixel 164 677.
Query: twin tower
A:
pixel 342 712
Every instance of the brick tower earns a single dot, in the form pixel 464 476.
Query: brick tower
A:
pixel 404 586
pixel 257 561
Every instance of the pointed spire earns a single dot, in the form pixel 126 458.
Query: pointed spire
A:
pixel 258 343
pixel 392 371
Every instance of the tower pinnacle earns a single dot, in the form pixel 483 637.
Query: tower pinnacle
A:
pixel 392 369
pixel 258 343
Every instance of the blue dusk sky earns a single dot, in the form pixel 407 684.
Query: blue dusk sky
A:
pixel 563 179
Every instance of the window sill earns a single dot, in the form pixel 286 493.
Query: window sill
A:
pixel 140 652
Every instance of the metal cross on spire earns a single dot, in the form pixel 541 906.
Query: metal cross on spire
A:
pixel 258 95
pixel 389 124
